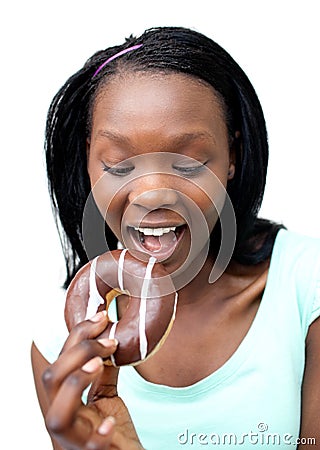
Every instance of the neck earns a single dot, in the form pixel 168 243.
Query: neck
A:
pixel 192 291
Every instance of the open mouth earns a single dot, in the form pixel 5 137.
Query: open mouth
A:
pixel 159 242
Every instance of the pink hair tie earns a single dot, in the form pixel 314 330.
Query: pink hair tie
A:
pixel 126 50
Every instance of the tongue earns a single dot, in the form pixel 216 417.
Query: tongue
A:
pixel 160 243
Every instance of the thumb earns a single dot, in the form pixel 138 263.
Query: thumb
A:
pixel 105 385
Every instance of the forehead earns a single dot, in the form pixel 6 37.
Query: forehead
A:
pixel 146 106
pixel 135 92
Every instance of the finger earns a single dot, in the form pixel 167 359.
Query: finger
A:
pixel 105 386
pixel 88 329
pixel 65 405
pixel 101 439
pixel 73 359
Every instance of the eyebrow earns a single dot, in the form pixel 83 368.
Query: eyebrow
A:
pixel 174 142
pixel 116 137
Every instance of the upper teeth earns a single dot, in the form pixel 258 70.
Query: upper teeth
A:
pixel 155 231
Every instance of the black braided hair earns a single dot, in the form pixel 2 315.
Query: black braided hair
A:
pixel 165 49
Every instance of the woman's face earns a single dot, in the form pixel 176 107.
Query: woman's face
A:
pixel 158 162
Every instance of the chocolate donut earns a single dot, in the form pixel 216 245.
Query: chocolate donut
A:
pixel 151 305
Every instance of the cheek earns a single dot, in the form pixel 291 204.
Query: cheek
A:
pixel 95 171
pixel 115 208
pixel 208 193
pixel 109 198
pixel 210 206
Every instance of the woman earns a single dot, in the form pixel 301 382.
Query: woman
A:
pixel 165 121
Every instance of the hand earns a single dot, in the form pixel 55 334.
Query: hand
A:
pixel 104 423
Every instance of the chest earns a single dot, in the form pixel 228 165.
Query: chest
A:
pixel 207 331
pixel 199 343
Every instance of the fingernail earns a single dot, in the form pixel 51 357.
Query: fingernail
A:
pixel 99 316
pixel 106 425
pixel 93 365
pixel 108 342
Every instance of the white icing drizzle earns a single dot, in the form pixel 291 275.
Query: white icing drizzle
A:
pixel 120 283
pixel 175 306
pixel 95 299
pixel 143 309
pixel 120 269
pixel 111 336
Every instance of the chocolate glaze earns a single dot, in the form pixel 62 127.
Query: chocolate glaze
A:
pixel 160 304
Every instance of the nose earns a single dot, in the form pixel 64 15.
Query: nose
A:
pixel 153 197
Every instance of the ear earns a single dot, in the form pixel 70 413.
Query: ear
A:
pixel 235 147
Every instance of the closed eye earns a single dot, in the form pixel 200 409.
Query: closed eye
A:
pixel 117 170
pixel 189 170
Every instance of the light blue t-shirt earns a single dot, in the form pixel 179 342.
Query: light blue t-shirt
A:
pixel 254 399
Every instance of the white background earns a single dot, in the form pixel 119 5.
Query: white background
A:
pixel 42 43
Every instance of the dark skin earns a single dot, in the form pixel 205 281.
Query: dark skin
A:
pixel 138 115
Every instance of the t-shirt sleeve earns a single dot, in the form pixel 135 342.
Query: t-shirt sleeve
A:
pixel 315 310
pixel 309 277
pixel 301 270
pixel 50 331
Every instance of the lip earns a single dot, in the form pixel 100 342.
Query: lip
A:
pixel 160 255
